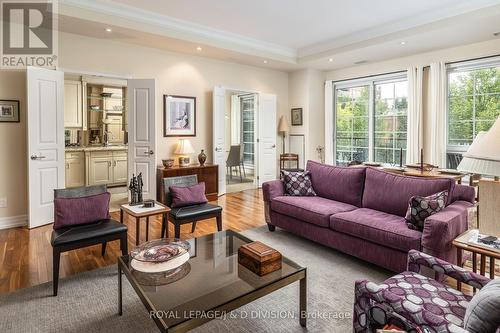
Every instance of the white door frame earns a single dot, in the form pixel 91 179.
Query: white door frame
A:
pixel 256 145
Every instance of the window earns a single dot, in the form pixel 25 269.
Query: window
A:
pixel 248 132
pixel 371 120
pixel 473 104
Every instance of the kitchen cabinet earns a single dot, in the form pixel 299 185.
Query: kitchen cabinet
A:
pixel 107 167
pixel 73 107
pixel 75 169
pixel 116 133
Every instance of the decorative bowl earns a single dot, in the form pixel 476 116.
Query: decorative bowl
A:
pixel 160 255
pixel 168 163
pixel 106 94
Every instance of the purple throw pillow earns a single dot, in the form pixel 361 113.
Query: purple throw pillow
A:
pixel 187 196
pixel 420 208
pixel 298 183
pixel 71 212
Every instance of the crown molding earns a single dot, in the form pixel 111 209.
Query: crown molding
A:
pixel 177 28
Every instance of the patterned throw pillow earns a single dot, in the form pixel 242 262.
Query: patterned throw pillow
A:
pixel 298 183
pixel 420 208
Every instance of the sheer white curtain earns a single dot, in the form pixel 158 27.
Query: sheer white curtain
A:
pixel 329 127
pixel 438 97
pixel 415 114
pixel 235 120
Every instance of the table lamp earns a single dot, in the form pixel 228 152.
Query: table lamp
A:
pixel 184 150
pixel 483 158
pixel 283 129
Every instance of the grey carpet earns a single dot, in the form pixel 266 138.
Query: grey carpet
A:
pixel 87 302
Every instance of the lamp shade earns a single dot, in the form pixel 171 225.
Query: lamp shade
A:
pixel 283 125
pixel 184 147
pixel 483 156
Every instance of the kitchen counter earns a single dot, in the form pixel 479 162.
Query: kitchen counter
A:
pixel 97 148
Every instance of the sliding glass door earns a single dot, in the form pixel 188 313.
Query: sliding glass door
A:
pixel 371 120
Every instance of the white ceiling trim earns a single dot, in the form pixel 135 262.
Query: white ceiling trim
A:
pixel 471 8
pixel 198 32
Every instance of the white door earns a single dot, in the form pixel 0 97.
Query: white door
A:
pixel 267 131
pixel 142 133
pixel 219 126
pixel 45 122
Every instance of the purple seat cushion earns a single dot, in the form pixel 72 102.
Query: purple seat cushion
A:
pixel 315 210
pixel 71 212
pixel 377 227
pixel 391 193
pixel 337 183
pixel 188 196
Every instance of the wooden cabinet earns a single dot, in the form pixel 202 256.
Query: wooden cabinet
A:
pixel 107 167
pixel 73 107
pixel 75 169
pixel 120 167
pixel 209 173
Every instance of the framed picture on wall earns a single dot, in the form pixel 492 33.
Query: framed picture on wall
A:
pixel 9 111
pixel 297 117
pixel 179 116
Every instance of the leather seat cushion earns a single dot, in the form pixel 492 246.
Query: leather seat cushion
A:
pixel 195 211
pixel 72 235
pixel 377 227
pixel 315 210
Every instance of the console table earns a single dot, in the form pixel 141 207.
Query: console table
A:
pixel 209 173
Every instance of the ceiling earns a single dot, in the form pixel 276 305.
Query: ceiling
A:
pixel 287 34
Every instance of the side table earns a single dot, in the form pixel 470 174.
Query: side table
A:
pixel 462 243
pixel 139 211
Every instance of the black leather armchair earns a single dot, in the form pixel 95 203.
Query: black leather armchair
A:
pixel 71 238
pixel 190 214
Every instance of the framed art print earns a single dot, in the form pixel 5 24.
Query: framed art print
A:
pixel 179 116
pixel 9 111
pixel 297 117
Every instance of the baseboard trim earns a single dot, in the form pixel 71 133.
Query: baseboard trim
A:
pixel 13 221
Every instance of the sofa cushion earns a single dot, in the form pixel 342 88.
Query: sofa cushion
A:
pixel 337 183
pixel 70 212
pixel 377 227
pixel 391 193
pixel 298 183
pixel 315 210
pixel 420 208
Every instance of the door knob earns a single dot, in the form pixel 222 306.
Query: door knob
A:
pixel 273 146
pixel 149 152
pixel 34 157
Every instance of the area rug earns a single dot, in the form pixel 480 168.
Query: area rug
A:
pixel 87 302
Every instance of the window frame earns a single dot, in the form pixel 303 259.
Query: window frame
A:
pixel 461 67
pixel 371 82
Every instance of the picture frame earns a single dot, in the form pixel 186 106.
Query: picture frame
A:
pixel 179 116
pixel 9 111
pixel 297 119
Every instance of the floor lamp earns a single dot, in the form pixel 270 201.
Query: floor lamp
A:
pixel 483 158
pixel 283 129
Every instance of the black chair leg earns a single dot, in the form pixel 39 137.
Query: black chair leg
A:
pixel 241 177
pixel 124 244
pixel 193 227
pixel 177 230
pixel 103 248
pixel 56 256
pixel 244 173
pixel 271 227
pixel 219 222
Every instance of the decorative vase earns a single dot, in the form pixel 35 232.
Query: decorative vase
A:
pixel 202 157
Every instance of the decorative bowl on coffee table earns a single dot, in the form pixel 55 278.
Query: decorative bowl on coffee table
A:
pixel 160 255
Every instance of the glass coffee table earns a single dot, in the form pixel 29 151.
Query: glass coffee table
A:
pixel 212 285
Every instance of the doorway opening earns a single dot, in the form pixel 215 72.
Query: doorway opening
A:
pixel 241 140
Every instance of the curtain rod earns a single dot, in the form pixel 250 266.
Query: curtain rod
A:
pixel 369 76
pixel 473 59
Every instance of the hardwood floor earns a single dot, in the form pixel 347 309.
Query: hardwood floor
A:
pixel 26 255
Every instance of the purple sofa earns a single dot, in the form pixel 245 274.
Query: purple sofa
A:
pixel 360 211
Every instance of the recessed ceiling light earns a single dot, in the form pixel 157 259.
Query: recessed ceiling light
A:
pixel 198 48
pixel 330 60
pixel 265 61
pixel 403 43
pixel 108 30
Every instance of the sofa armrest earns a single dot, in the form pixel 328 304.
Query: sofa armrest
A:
pixel 463 193
pixel 272 189
pixel 416 259
pixel 368 292
pixel 443 227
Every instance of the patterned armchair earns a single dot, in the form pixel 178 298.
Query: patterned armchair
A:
pixel 414 302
